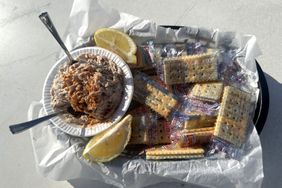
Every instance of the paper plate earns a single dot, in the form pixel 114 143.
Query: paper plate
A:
pixel 74 129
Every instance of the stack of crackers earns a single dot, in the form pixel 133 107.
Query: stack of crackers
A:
pixel 201 73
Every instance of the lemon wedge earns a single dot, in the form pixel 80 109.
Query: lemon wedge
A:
pixel 110 143
pixel 117 42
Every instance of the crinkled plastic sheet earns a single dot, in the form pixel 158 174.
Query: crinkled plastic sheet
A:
pixel 58 155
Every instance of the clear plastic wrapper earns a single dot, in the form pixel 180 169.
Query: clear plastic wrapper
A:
pixel 58 155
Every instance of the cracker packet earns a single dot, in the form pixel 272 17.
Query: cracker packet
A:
pixel 183 62
pixel 148 128
pixel 172 152
pixel 233 124
pixel 194 137
pixel 154 95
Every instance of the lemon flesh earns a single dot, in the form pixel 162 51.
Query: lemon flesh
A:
pixel 117 42
pixel 110 143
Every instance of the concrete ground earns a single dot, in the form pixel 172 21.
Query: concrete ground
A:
pixel 27 52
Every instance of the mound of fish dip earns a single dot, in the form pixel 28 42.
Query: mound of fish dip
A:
pixel 90 91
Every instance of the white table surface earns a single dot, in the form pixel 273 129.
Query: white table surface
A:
pixel 27 51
